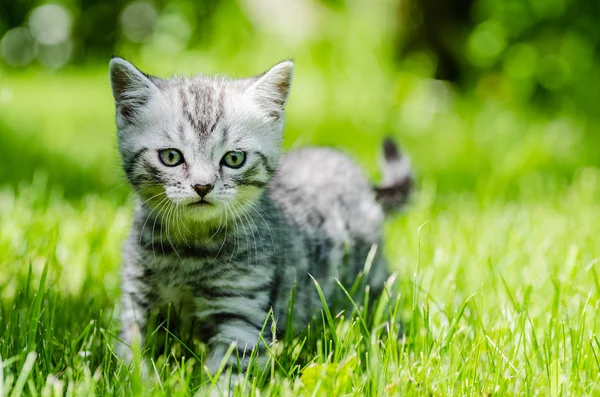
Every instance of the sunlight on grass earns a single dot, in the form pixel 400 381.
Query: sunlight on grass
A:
pixel 496 297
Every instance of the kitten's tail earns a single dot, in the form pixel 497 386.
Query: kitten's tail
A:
pixel 397 178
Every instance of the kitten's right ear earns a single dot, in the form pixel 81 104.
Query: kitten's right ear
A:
pixel 272 89
pixel 131 88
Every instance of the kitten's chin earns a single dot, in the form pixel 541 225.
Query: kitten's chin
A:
pixel 203 212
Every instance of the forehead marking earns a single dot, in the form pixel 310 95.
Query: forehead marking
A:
pixel 224 135
pixel 180 131
pixel 200 107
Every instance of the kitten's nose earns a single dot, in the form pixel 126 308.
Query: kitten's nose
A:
pixel 202 190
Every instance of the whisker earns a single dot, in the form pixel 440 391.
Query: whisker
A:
pixel 251 218
pixel 262 244
pixel 237 238
pixel 219 226
pixel 156 195
pixel 116 187
pixel 169 217
pixel 253 207
pixel 182 214
pixel 147 217
pixel 224 237
pixel 245 233
pixel 162 203
pixel 250 224
pixel 179 221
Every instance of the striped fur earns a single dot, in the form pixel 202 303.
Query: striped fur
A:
pixel 270 225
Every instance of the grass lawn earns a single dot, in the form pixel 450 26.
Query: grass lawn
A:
pixel 496 256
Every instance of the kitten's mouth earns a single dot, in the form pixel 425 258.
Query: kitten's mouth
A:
pixel 201 203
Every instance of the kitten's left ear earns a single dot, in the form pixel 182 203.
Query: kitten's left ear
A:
pixel 131 88
pixel 272 89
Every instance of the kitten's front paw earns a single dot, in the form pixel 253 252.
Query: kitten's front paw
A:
pixel 131 343
pixel 226 363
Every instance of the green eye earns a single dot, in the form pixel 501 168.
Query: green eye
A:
pixel 234 159
pixel 170 157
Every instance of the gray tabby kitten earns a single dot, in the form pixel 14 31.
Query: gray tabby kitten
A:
pixel 225 227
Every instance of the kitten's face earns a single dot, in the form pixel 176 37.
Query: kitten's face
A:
pixel 205 147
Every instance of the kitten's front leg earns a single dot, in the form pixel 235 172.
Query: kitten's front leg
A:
pixel 246 336
pixel 244 340
pixel 134 317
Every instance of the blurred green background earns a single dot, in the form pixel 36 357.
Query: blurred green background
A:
pixel 486 95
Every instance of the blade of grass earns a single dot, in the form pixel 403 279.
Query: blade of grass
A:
pixel 24 375
pixel 37 307
pixel 330 322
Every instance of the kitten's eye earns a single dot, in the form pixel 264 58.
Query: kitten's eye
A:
pixel 170 157
pixel 234 159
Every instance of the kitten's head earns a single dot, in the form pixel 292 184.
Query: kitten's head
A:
pixel 205 144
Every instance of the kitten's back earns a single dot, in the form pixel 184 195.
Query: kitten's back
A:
pixel 323 188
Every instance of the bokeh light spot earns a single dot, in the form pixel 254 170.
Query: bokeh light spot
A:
pixel 6 95
pixel 292 19
pixel 17 47
pixel 50 24
pixel 172 33
pixel 486 43
pixel 55 56
pixel 138 20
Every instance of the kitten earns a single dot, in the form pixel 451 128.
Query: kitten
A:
pixel 224 226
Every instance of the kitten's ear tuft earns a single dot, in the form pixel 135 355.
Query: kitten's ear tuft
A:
pixel 131 88
pixel 272 88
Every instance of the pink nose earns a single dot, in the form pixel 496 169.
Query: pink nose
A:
pixel 202 190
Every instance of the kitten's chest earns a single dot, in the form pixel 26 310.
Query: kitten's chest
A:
pixel 173 294
pixel 180 292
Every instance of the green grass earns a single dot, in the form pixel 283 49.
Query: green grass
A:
pixel 496 255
